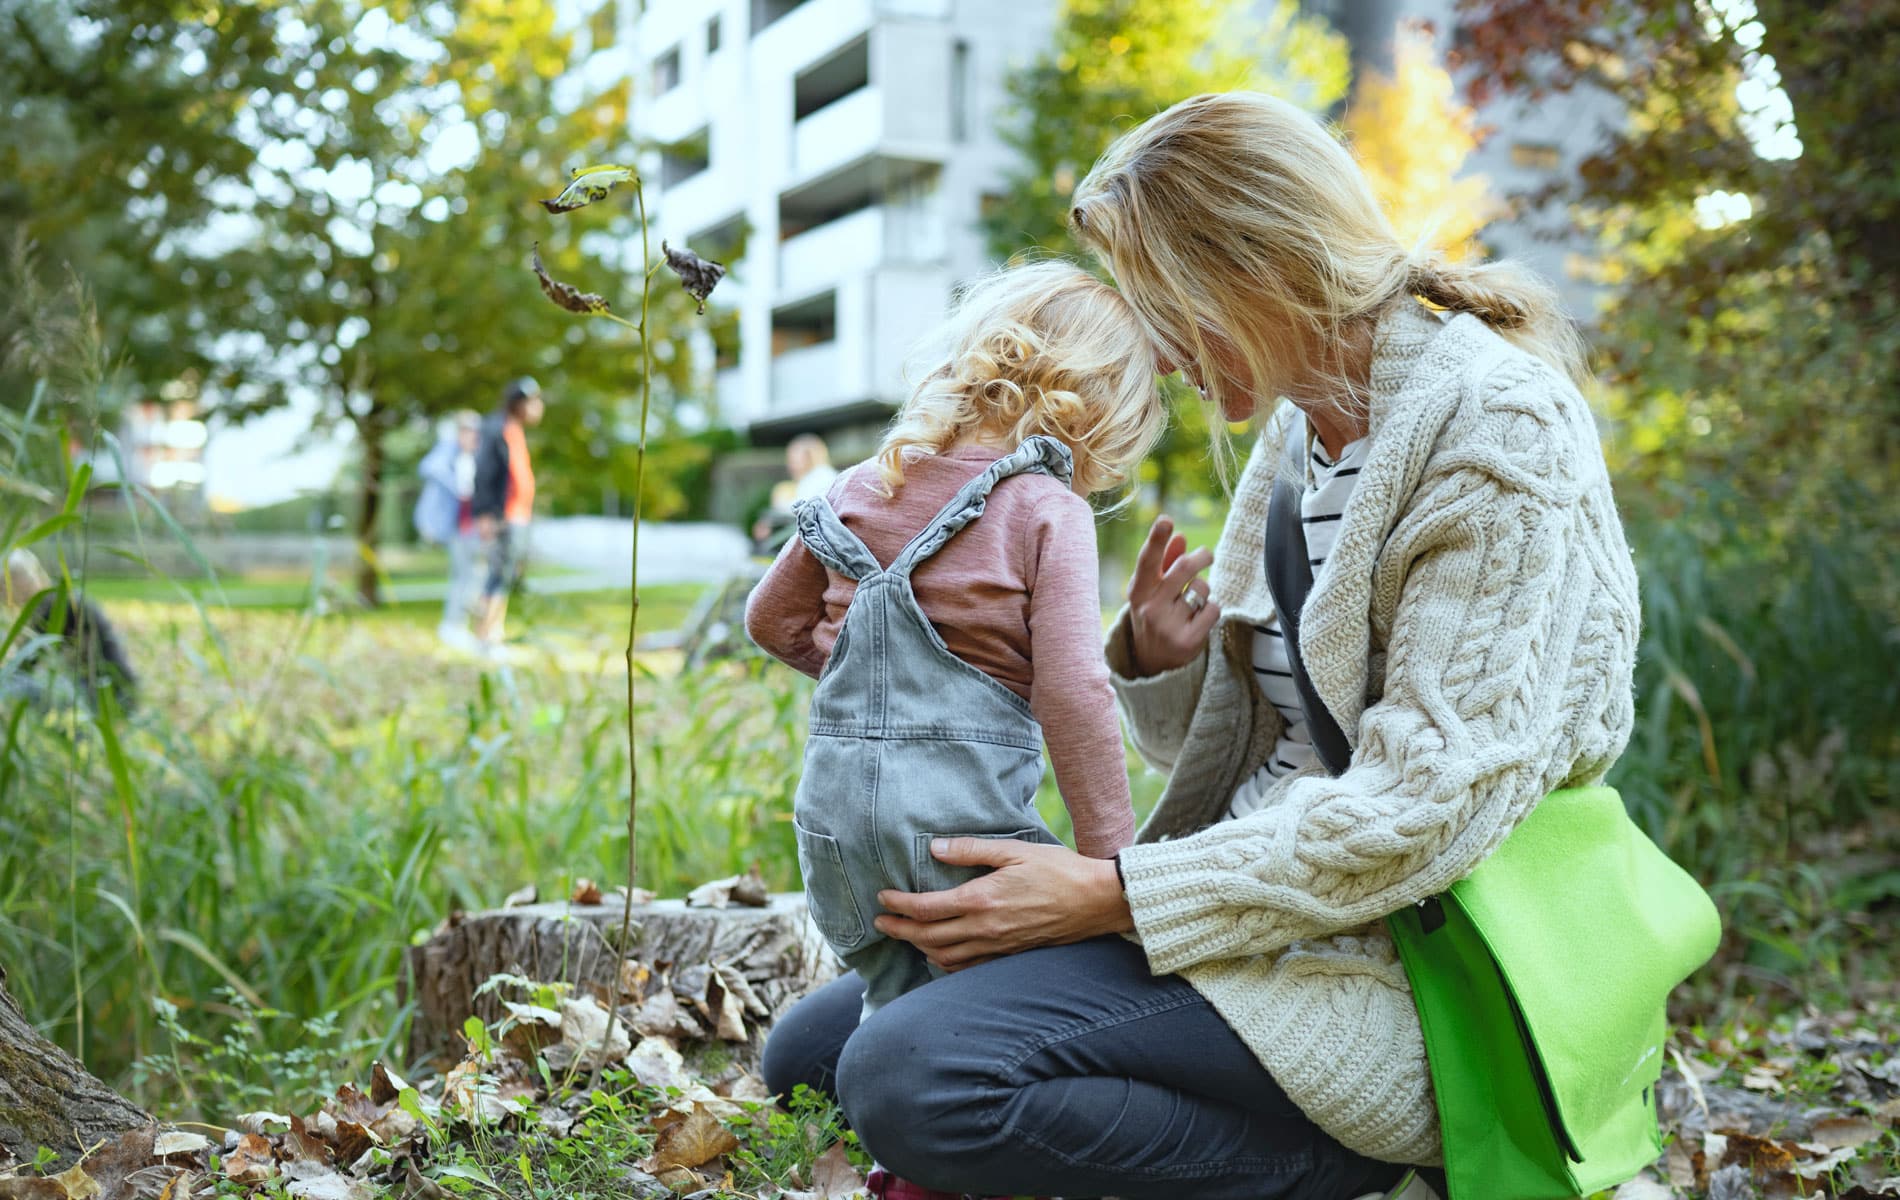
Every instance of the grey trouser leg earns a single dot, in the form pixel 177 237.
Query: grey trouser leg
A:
pixel 1063 1071
pixel 464 578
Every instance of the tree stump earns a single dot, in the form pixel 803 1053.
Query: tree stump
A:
pixel 774 949
pixel 47 1098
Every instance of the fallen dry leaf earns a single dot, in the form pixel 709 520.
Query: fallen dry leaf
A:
pixel 586 891
pixel 178 1187
pixel 385 1086
pixel 533 1029
pixel 521 896
pixel 748 889
pixel 1759 1154
pixel 746 1087
pixel 262 1122
pixel 302 1145
pixel 735 981
pixel 330 1186
pixel 1838 1133
pixel 697 1140
pixel 30 1187
pixel 350 1104
pixel 656 1063
pixel 833 1176
pixel 723 1010
pixel 632 979
pixel 635 896
pixel 251 1163
pixel 661 1016
pixel 682 1180
pixel 178 1141
pixel 416 1187
pixel 1680 1163
pixel 588 1035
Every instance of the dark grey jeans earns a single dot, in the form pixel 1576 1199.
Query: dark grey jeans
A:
pixel 1065 1071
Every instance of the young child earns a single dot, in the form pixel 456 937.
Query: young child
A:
pixel 946 596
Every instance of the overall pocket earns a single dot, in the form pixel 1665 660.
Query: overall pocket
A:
pixel 929 874
pixel 828 895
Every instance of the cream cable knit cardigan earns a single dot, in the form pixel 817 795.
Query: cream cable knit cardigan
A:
pixel 1474 631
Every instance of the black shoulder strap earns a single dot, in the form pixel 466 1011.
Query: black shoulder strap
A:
pixel 1290 578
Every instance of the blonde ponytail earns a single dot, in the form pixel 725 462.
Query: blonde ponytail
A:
pixel 1519 304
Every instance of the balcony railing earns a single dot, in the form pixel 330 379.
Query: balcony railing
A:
pixel 826 253
pixel 838 133
pixel 809 377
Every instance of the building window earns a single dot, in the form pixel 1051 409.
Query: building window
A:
pixel 685 158
pixel 666 72
pixel 764 12
pixel 712 36
pixel 1537 156
pixel 833 78
pixel 721 241
pixel 808 323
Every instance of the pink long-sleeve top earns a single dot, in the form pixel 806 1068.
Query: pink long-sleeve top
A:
pixel 1015 594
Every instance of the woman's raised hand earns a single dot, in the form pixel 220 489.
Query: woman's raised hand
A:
pixel 1169 609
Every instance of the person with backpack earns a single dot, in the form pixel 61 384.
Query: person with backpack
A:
pixel 445 516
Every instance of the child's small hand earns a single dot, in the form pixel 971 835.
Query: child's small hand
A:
pixel 1170 610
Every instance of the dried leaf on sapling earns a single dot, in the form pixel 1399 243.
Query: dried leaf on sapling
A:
pixel 567 296
pixel 699 276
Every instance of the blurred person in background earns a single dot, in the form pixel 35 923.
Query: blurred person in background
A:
pixel 503 501
pixel 808 463
pixel 445 516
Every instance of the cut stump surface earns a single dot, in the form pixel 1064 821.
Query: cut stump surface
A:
pixel 774 948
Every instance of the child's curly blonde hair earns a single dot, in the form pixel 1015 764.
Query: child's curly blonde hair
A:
pixel 1038 348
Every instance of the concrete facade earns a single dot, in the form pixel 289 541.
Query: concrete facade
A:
pixel 852 141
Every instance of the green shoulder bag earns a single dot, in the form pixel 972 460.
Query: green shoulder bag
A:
pixel 1541 978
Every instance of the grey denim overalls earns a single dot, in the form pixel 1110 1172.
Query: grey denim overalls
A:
pixel 907 742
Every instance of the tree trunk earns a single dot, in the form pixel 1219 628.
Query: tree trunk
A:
pixel 368 575
pixel 774 949
pixel 47 1098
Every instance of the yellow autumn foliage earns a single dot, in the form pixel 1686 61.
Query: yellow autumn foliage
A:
pixel 1413 137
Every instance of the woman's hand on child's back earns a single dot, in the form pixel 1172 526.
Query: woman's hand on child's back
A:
pixel 1169 609
pixel 1038 895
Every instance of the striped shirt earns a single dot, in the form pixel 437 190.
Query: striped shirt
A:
pixel 1329 485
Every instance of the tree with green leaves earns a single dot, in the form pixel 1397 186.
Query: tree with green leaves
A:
pixel 1111 65
pixel 322 201
pixel 1749 206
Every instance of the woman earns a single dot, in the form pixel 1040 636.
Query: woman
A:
pixel 445 515
pixel 1472 627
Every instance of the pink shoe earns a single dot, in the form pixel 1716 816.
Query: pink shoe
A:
pixel 885 1186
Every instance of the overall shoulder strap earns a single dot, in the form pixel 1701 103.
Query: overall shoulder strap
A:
pixel 1290 578
pixel 830 542
pixel 1040 454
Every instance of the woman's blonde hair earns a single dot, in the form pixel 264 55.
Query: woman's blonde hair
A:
pixel 1237 218
pixel 1037 348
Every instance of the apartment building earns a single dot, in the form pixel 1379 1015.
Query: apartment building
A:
pixel 849 143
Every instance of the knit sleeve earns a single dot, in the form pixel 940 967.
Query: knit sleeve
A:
pixel 1158 708
pixel 1469 733
pixel 1069 691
